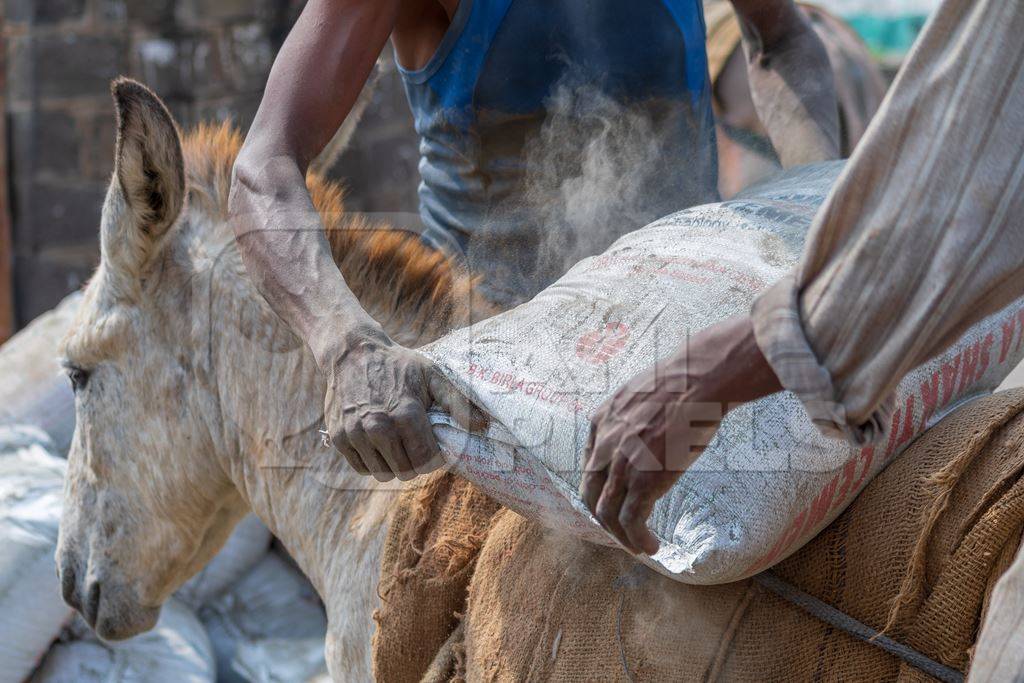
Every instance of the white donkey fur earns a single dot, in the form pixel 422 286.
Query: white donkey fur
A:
pixel 199 403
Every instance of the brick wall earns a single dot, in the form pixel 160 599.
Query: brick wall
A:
pixel 208 59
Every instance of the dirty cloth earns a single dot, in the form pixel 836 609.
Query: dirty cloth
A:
pixel 921 236
pixel 999 653
pixel 916 555
pixel 745 153
pixel 860 86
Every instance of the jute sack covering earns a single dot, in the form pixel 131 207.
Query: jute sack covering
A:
pixel 428 559
pixel 919 550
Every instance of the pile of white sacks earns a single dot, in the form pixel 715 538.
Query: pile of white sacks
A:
pixel 248 616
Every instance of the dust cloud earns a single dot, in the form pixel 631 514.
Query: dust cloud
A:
pixel 593 170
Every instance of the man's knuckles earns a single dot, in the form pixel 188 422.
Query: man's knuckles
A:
pixel 408 414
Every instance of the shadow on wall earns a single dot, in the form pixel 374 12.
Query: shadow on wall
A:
pixel 208 59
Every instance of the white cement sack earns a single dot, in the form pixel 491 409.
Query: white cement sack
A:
pixel 32 611
pixel 176 650
pixel 248 543
pixel 281 660
pixel 35 389
pixel 270 611
pixel 769 481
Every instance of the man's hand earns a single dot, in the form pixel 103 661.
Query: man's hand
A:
pixel 791 81
pixel 644 437
pixel 375 407
pixel 637 451
pixel 378 392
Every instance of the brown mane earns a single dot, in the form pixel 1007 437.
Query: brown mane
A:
pixel 396 277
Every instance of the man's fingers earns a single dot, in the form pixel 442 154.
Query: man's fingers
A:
pixel 601 445
pixel 456 404
pixel 382 432
pixel 428 460
pixel 600 450
pixel 636 508
pixel 419 441
pixel 591 487
pixel 610 502
pixel 375 464
pixel 351 456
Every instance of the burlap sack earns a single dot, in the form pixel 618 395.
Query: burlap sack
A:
pixel 919 550
pixel 428 559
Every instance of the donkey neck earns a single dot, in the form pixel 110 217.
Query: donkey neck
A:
pixel 330 519
pixel 271 394
pixel 271 397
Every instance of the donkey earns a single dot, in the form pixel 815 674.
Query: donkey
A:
pixel 195 404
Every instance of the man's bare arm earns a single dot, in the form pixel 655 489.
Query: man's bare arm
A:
pixel 791 81
pixel 315 80
pixel 377 391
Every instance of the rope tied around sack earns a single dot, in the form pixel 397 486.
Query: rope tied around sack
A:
pixel 833 617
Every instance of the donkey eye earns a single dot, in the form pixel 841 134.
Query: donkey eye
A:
pixel 79 377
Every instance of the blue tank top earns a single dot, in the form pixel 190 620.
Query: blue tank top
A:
pixel 550 127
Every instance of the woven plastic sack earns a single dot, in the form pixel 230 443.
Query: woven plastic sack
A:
pixel 32 612
pixel 769 481
pixel 270 611
pixel 176 650
pixel 248 543
pixel 35 389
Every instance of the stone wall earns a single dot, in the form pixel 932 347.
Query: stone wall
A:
pixel 208 59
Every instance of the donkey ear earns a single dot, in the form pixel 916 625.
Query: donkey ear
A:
pixel 149 169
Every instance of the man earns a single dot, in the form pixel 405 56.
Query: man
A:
pixel 920 239
pixel 508 97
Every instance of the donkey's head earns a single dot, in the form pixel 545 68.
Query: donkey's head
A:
pixel 146 503
pixel 193 401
